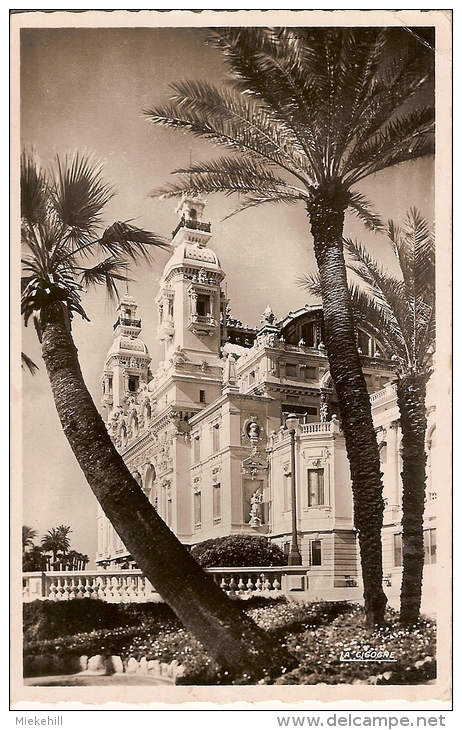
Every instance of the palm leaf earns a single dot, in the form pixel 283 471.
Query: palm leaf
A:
pixel 360 206
pixel 235 121
pixel 79 193
pixel 34 189
pixel 106 272
pixel 230 175
pixel 123 239
pixel 26 362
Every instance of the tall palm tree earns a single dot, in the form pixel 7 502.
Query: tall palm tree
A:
pixel 400 310
pixel 61 219
pixel 53 542
pixel 309 114
pixel 28 537
pixel 63 532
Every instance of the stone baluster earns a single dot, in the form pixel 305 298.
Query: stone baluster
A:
pixel 258 584
pixel 232 586
pixel 108 589
pixel 60 589
pixel 223 584
pixel 241 585
pixel 266 583
pixel 79 592
pixel 130 589
pixel 53 591
pixel 250 585
pixel 88 590
pixel 277 583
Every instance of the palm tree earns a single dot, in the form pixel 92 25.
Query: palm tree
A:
pixel 28 537
pixel 309 114
pixel 53 542
pixel 61 218
pixel 400 310
pixel 63 531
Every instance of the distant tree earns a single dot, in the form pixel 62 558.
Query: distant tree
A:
pixel 34 560
pixel 28 537
pixel 56 540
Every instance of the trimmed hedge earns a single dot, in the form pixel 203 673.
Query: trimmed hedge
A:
pixel 46 620
pixel 238 551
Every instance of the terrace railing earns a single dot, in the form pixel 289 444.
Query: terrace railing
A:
pixel 130 586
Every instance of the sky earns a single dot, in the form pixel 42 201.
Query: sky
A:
pixel 86 88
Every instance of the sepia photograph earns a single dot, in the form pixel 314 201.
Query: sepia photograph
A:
pixel 231 346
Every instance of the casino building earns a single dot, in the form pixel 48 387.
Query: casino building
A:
pixel 204 433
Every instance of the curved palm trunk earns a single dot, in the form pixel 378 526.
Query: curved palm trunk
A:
pixel 326 213
pixel 411 391
pixel 231 638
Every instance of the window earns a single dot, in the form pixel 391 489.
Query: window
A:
pixel 202 396
pixel 430 546
pixel 397 550
pixel 109 384
pixel 196 449
pixel 291 370
pixel 133 383
pixel 197 509
pixel 311 373
pixel 363 342
pixel 316 487
pixel 170 308
pixel 169 511
pixel 217 503
pixel 216 438
pixel 203 305
pixel 309 334
pixel 315 552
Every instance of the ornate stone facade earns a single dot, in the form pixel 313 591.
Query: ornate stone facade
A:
pixel 205 435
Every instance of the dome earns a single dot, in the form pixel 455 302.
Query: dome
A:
pixel 187 254
pixel 127 344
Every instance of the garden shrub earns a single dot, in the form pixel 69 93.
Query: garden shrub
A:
pixel 238 551
pixel 316 633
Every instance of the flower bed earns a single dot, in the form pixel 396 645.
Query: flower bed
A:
pixel 321 635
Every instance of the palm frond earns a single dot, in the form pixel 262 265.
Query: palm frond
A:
pixel 34 189
pixel 407 304
pixel 235 121
pixel 230 175
pixel 405 138
pixel 361 207
pixel 312 284
pixel 108 273
pixel 123 239
pixel 257 199
pixel 79 194
pixel 26 362
pixel 59 230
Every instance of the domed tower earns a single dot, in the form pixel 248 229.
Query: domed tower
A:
pixel 127 362
pixel 190 301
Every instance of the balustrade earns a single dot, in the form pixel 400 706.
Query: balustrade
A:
pixel 130 586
